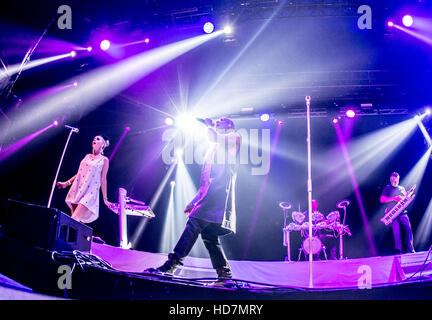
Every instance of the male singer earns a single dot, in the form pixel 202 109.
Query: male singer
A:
pixel 212 211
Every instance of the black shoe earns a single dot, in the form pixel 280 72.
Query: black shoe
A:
pixel 170 266
pixel 224 278
pixel 224 272
pixel 167 267
pixel 222 283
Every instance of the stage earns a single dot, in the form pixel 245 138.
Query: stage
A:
pixel 109 272
pixel 258 132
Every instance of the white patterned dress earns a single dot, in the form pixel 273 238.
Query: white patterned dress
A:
pixel 85 188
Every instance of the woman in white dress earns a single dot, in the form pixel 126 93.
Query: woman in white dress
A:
pixel 83 196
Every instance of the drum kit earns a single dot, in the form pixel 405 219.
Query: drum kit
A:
pixel 320 223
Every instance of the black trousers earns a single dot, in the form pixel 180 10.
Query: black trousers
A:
pixel 402 232
pixel 210 235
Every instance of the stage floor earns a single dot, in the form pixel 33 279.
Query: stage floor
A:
pixel 108 272
pixel 359 273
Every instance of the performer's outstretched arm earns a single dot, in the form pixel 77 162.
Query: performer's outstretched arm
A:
pixel 62 185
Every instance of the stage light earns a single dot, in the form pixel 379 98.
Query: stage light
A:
pixel 73 54
pixel 169 121
pixel 178 153
pixel 407 20
pixel 75 84
pixel 185 122
pixel 89 49
pixel 101 84
pixel 172 183
pixel 335 120
pixel 228 29
pixel 146 40
pixel 208 27
pixel 55 123
pixel 105 44
pixel 350 113
pixel 265 117
pixel 427 111
pixel 280 122
pixel 127 128
pixel 390 24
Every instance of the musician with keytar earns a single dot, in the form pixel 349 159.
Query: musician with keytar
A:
pixel 396 200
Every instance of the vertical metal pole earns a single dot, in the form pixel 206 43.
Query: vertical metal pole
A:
pixel 122 219
pixel 309 186
pixel 287 235
pixel 58 169
pixel 340 237
pixel 288 246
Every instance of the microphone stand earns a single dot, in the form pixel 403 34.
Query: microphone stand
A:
pixel 72 130
pixel 340 236
pixel 309 186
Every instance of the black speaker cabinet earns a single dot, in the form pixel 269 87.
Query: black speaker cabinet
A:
pixel 47 228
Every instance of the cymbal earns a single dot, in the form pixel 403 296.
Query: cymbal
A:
pixel 285 205
pixel 343 204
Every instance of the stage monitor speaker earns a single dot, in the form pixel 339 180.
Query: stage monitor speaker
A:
pixel 47 228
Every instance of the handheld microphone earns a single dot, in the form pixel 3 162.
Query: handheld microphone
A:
pixel 207 122
pixel 72 128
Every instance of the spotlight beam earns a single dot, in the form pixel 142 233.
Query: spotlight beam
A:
pixel 100 85
pixel 356 188
pixel 126 130
pixel 415 34
pixel 16 146
pixel 16 68
pixel 424 131
pixel 260 195
pixel 175 220
pixel 367 153
pixel 424 230
pixel 234 61
pixel 140 228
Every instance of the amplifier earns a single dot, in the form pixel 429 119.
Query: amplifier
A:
pixel 47 228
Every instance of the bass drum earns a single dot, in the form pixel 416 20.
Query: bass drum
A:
pixel 314 248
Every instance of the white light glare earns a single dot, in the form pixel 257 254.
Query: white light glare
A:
pixel 228 29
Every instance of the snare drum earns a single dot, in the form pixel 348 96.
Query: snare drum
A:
pixel 333 217
pixel 298 217
pixel 315 247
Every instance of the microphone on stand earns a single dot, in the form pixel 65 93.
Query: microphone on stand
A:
pixel 76 130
